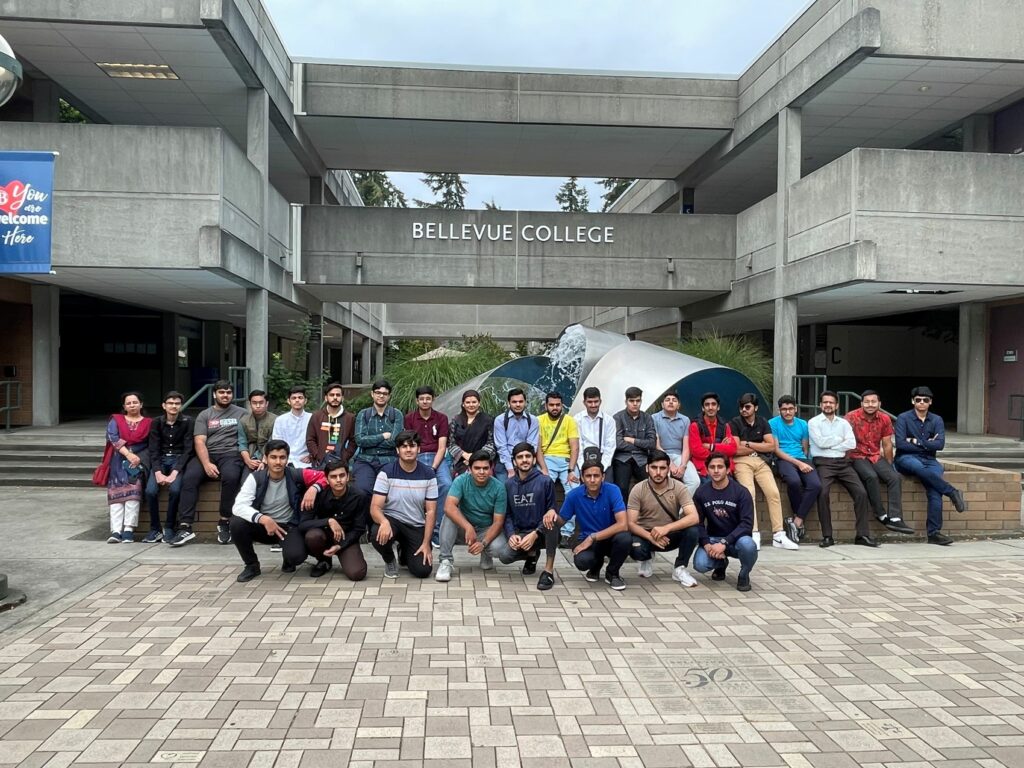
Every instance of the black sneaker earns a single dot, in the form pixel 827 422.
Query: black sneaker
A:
pixel 287 568
pixel 940 538
pixel 718 574
pixel 249 573
pixel 897 525
pixel 743 583
pixel 564 542
pixel 182 537
pixel 958 500
pixel 546 581
pixel 320 568
pixel 615 582
pixel 594 574
pixel 530 566
pixel 223 533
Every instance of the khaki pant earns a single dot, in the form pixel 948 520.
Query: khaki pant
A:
pixel 750 469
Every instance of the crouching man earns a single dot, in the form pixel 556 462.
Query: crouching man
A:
pixel 336 523
pixel 530 496
pixel 267 509
pixel 726 518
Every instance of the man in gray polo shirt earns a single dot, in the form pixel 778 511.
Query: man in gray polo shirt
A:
pixel 219 441
pixel 673 428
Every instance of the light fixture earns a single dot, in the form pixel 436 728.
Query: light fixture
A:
pixel 921 292
pixel 138 71
pixel 204 303
pixel 10 72
pixel 924 88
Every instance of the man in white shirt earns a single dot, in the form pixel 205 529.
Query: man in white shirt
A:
pixel 291 427
pixel 831 436
pixel 597 440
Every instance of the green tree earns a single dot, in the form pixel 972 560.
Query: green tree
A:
pixel 615 186
pixel 70 114
pixel 492 206
pixel 572 197
pixel 449 190
pixel 378 191
pixel 737 352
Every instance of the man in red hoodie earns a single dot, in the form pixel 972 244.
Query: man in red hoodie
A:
pixel 708 435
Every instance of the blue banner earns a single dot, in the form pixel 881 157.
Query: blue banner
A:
pixel 26 211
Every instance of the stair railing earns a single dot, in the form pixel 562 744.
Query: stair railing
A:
pixel 8 407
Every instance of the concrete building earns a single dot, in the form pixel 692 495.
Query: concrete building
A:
pixel 853 198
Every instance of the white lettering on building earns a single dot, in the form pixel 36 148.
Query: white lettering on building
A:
pixel 529 233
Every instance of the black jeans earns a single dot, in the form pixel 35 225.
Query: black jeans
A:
pixel 624 472
pixel 548 541
pixel 364 473
pixel 685 541
pixel 244 533
pixel 230 466
pixel 870 474
pixel 616 550
pixel 841 470
pixel 409 538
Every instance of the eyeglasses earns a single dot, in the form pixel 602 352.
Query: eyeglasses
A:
pixel 381 392
pixel 746 406
pixel 922 399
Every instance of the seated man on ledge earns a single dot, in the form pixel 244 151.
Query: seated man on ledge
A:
pixel 336 523
pixel 267 510
pixel 726 521
pixel 601 521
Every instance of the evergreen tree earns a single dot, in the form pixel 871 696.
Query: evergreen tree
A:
pixel 70 114
pixel 615 187
pixel 450 188
pixel 378 191
pixel 572 197
pixel 492 206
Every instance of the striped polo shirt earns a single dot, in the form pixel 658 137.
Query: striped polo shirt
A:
pixel 406 493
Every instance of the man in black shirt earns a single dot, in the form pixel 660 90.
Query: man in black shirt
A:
pixel 726 519
pixel 336 523
pixel 170 448
pixel 635 438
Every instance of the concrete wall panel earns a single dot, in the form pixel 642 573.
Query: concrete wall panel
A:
pixel 983 29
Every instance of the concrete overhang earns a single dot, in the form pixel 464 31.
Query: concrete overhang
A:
pixel 514 257
pixel 412 118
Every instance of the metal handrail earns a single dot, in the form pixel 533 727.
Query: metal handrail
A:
pixel 1020 416
pixel 818 382
pixel 237 375
pixel 8 408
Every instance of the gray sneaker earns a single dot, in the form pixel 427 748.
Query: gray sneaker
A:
pixel 391 570
pixel 486 562
pixel 444 571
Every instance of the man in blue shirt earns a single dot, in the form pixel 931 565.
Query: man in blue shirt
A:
pixel 600 516
pixel 920 434
pixel 726 512
pixel 513 427
pixel 802 482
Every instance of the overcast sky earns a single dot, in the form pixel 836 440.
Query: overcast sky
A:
pixel 682 36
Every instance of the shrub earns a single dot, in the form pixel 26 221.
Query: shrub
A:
pixel 737 352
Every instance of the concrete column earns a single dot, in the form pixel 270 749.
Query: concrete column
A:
pixel 347 356
pixel 971 382
pixel 316 190
pixel 367 361
pixel 786 315
pixel 45 356
pixel 315 359
pixel 257 331
pixel 686 200
pixel 379 368
pixel 978 133
pixel 45 102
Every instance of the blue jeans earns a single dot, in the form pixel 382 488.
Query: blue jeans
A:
pixel 443 473
pixel 165 465
pixel 558 471
pixel 929 472
pixel 744 550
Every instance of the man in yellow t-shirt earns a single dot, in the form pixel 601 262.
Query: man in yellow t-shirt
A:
pixel 559 449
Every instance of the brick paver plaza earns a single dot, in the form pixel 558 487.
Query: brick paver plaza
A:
pixel 910 663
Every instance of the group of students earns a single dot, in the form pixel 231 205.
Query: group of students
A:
pixel 635 483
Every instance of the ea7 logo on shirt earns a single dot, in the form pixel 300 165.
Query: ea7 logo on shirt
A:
pixel 522 499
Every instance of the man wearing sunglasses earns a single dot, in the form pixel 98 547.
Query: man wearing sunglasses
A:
pixel 920 434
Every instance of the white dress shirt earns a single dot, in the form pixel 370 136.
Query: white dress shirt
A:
pixel 830 438
pixel 598 431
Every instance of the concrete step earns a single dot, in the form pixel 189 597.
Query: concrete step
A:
pixel 47 480
pixel 41 467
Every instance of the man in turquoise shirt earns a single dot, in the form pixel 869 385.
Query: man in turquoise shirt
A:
pixel 476 503
pixel 802 482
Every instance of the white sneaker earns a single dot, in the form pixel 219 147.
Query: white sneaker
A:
pixel 683 576
pixel 444 571
pixel 756 536
pixel 782 541
pixel 486 562
pixel 645 569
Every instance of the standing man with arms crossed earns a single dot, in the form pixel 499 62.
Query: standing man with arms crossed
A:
pixel 292 426
pixel 513 427
pixel 376 427
pixel 403 507
pixel 596 429
pixel 219 441
pixel 259 429
pixel 802 482
pixel 330 436
pixel 920 434
pixel 673 428
pixel 661 517
pixel 873 457
pixel 432 427
pixel 754 445
pixel 558 448
pixel 635 437
pixel 170 448
pixel 710 434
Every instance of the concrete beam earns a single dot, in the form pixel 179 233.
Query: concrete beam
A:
pixel 257 330
pixel 45 355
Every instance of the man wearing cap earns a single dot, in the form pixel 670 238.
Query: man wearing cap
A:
pixel 920 434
